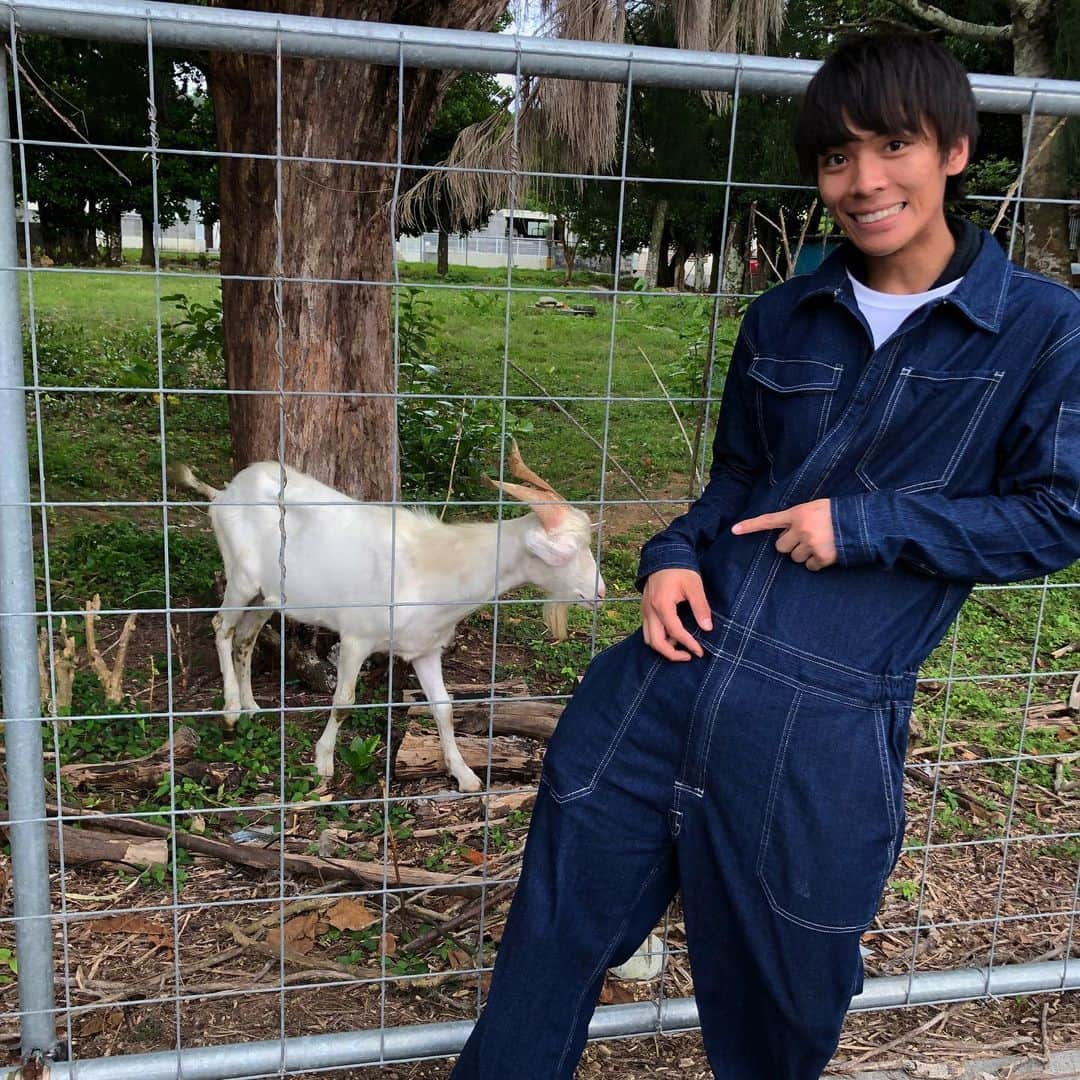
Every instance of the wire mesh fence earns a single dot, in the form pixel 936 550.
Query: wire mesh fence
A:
pixel 192 904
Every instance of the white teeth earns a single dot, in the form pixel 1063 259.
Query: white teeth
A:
pixel 867 219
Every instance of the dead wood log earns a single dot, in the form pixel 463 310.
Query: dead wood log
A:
pixel 91 846
pixel 421 755
pixel 534 719
pixel 266 858
pixel 152 768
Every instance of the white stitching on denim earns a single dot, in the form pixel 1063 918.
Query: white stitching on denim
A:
pixel 766 835
pixel 605 956
pixel 883 761
pixel 631 712
pixel 760 415
pixel 890 407
pixel 860 508
pixel 1006 278
pixel 1063 408
pixel 709 668
pixel 778 768
pixel 827 694
pixel 962 445
pixel 793 649
pixel 994 379
pixel 1044 280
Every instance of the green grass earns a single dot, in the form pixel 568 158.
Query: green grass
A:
pixel 99 330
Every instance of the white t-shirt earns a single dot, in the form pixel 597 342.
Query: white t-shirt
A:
pixel 886 311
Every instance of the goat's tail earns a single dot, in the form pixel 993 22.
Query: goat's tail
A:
pixel 182 475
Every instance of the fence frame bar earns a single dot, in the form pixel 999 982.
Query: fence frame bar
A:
pixel 357 1048
pixel 421 47
pixel 428 47
pixel 18 651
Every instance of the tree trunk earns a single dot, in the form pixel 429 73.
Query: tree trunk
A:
pixel 114 241
pixel 678 265
pixel 664 266
pixel 1045 224
pixel 146 258
pixel 656 238
pixel 336 340
pixel 444 253
pixel 66 235
pixel 734 271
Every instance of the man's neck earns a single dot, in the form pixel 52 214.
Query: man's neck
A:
pixel 916 267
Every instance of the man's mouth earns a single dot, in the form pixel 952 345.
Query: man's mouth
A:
pixel 878 215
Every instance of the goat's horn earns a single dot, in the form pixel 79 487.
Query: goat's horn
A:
pixel 542 503
pixel 522 471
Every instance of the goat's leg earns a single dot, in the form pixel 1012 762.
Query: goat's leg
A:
pixel 429 671
pixel 244 645
pixel 225 623
pixel 351 656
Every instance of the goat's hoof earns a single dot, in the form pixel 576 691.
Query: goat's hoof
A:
pixel 471 782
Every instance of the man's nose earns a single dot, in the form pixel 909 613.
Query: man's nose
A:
pixel 868 176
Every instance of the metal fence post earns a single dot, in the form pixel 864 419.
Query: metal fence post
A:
pixel 18 647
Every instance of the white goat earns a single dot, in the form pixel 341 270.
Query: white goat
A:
pixel 338 560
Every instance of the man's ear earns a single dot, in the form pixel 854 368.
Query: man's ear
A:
pixel 957 158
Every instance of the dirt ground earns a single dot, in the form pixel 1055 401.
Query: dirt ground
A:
pixel 126 955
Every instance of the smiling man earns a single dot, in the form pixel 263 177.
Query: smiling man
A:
pixel 894 427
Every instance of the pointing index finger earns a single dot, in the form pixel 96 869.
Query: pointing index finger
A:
pixel 759 523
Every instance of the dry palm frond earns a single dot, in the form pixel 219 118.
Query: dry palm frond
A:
pixel 482 164
pixel 570 125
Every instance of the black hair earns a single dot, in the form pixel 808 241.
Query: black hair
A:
pixel 888 83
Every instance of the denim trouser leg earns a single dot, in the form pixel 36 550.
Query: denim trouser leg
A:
pixel 763 785
pixel 586 901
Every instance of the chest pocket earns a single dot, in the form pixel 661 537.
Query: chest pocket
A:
pixel 927 428
pixel 792 400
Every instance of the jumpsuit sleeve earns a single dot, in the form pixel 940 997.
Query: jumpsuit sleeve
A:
pixel 736 459
pixel 1029 526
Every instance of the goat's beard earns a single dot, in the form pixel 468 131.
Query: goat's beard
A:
pixel 554 615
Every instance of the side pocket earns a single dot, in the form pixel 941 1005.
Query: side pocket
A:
pixel 1065 481
pixel 597 716
pixel 830 831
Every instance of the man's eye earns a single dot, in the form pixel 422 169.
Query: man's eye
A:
pixel 831 160
pixel 897 144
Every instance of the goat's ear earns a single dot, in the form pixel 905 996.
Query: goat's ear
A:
pixel 548 507
pixel 553 549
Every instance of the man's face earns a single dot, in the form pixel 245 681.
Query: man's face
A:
pixel 888 191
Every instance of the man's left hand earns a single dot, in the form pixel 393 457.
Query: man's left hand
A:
pixel 808 532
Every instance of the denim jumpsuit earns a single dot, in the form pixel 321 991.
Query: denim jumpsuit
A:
pixel 764 781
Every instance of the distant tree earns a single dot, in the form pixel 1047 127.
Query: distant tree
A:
pixel 471 98
pixel 96 93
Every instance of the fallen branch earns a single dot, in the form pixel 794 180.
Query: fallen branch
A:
pixel 152 768
pixel 1004 208
pixel 261 858
pixel 83 846
pixel 421 756
pixel 974 803
pixel 534 719
pixel 466 915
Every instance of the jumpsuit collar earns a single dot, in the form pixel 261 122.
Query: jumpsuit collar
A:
pixel 980 296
